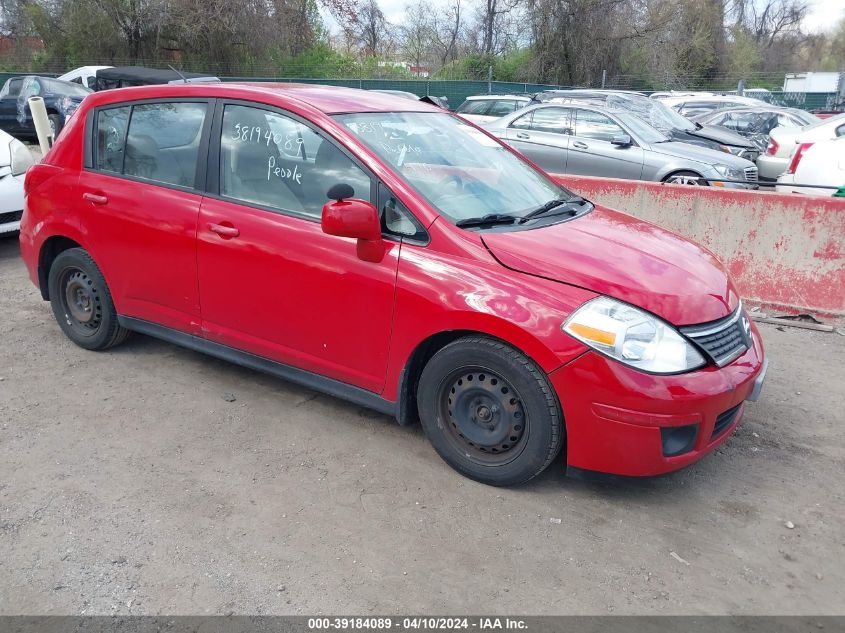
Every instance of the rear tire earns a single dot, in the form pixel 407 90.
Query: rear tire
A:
pixel 489 411
pixel 82 303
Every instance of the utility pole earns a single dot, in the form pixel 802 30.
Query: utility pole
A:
pixel 490 80
pixel 603 79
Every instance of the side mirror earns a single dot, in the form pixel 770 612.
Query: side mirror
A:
pixel 623 140
pixel 357 219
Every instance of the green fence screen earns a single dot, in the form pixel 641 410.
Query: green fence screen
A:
pixel 458 90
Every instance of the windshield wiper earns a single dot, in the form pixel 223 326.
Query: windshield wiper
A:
pixel 490 219
pixel 550 205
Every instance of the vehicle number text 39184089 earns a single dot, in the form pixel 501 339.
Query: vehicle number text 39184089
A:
pixel 413 623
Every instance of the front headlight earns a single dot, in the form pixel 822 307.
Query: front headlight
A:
pixel 22 158
pixel 728 173
pixel 632 336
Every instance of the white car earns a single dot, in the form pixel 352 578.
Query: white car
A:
pixel 672 94
pixel 486 108
pixel 84 75
pixel 15 159
pixel 783 140
pixel 821 163
pixel 694 106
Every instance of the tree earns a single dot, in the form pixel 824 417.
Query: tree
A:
pixel 371 28
pixel 446 30
pixel 417 32
pixel 492 12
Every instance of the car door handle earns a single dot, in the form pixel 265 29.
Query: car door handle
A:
pixel 522 135
pixel 224 231
pixel 580 145
pixel 95 198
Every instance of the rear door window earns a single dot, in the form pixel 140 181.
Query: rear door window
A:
pixel 163 142
pixel 159 142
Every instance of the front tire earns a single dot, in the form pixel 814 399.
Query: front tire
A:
pixel 685 178
pixel 489 411
pixel 82 303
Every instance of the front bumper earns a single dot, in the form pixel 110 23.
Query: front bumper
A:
pixel 614 414
pixel 11 203
pixel 10 222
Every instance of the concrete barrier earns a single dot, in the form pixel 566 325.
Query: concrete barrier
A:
pixel 785 253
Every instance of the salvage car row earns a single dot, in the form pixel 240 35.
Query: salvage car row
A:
pixel 730 141
pixel 769 138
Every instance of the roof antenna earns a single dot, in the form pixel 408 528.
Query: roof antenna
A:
pixel 178 73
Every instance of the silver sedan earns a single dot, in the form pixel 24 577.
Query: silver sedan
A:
pixel 590 140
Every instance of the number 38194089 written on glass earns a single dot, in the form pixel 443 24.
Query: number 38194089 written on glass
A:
pixel 254 134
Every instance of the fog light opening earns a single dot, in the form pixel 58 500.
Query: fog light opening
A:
pixel 678 440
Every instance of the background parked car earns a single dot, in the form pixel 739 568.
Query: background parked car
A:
pixel 756 123
pixel 123 76
pixel 485 108
pixel 15 159
pixel 400 93
pixel 656 114
pixel 84 76
pixel 693 106
pixel 61 99
pixel 594 141
pixel 678 93
pixel 821 163
pixel 782 141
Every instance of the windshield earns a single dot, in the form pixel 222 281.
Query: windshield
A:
pixel 460 170
pixel 645 132
pixel 655 112
pixel 805 117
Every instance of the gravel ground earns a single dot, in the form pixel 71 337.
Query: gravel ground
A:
pixel 128 484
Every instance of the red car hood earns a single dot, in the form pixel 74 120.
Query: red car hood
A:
pixel 618 255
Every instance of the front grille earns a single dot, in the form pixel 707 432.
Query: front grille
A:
pixel 751 174
pixel 11 216
pixel 723 340
pixel 724 420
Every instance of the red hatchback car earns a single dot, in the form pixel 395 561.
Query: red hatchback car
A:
pixel 387 252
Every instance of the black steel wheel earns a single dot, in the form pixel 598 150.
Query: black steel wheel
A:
pixel 489 411
pixel 485 414
pixel 82 303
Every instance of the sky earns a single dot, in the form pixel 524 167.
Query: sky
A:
pixel 823 15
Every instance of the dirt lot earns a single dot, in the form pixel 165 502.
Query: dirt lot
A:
pixel 129 485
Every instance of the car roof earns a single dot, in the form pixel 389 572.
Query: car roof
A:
pixel 328 99
pixel 508 96
pixel 750 108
